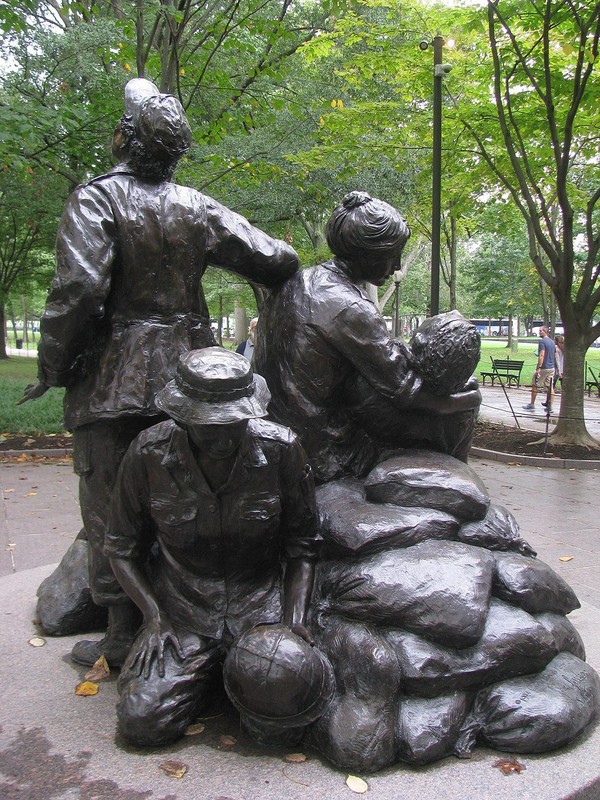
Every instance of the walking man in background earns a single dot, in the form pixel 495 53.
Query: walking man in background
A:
pixel 544 373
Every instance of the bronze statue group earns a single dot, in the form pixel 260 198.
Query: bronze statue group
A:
pixel 305 530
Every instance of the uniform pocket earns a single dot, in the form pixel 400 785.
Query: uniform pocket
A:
pixel 174 520
pixel 261 507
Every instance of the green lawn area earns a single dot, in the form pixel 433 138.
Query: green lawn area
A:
pixel 526 352
pixel 38 416
pixel 45 414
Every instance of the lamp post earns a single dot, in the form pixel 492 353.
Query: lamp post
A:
pixel 439 70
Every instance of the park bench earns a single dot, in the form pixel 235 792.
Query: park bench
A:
pixel 506 368
pixel 591 384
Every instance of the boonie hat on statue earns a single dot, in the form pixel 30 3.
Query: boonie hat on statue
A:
pixel 214 386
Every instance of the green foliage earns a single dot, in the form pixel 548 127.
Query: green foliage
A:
pixel 499 272
pixel 39 416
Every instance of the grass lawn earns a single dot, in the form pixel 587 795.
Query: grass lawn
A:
pixel 526 352
pixel 38 416
pixel 45 414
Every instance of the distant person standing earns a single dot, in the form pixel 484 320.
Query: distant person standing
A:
pixel 246 348
pixel 559 359
pixel 544 373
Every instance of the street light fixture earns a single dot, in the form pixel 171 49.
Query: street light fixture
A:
pixel 439 71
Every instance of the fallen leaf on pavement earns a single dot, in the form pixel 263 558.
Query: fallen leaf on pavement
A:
pixel 87 689
pixel 227 741
pixel 174 769
pixel 295 758
pixel 37 641
pixel 566 558
pixel 356 784
pixel 99 671
pixel 514 463
pixel 31 494
pixel 194 730
pixel 509 765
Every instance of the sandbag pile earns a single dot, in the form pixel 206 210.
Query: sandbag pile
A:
pixel 443 627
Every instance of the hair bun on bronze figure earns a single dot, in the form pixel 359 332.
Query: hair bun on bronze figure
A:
pixel 356 198
pixel 274 676
pixel 363 225
pixel 446 352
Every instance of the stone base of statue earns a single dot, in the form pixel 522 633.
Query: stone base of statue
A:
pixel 69 741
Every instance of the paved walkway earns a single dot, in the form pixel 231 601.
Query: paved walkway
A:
pixel 505 406
pixel 56 745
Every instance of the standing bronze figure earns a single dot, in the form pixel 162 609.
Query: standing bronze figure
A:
pixel 126 302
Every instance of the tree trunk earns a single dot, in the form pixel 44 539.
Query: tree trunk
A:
pixel 545 309
pixel 25 323
pixel 241 323
pixel 220 317
pixel 3 353
pixel 513 341
pixel 452 283
pixel 571 427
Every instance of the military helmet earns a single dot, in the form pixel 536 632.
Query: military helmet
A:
pixel 274 676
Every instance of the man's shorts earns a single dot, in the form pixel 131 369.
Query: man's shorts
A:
pixel 544 378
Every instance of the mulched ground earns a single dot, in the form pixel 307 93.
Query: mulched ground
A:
pixel 506 439
pixel 31 442
pixel 488 435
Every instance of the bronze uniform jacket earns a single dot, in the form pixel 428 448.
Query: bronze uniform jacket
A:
pixel 126 300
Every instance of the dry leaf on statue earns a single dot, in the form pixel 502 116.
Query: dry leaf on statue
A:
pixel 566 558
pixel 87 689
pixel 227 741
pixel 37 641
pixel 194 730
pixel 295 758
pixel 174 769
pixel 356 784
pixel 99 671
pixel 509 765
